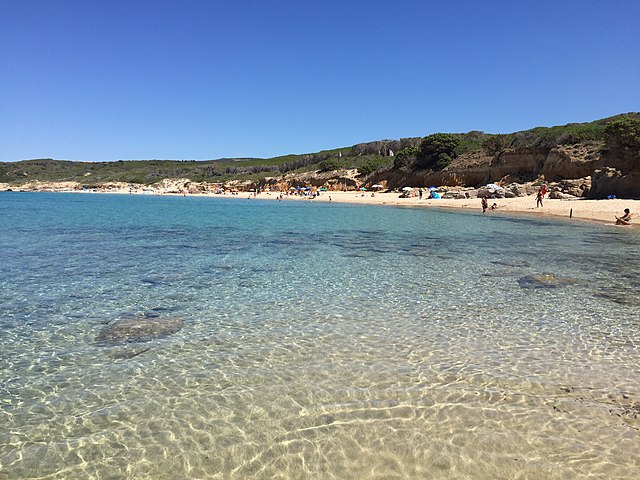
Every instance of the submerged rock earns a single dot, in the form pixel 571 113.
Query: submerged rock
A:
pixel 619 294
pixel 128 351
pixel 545 280
pixel 139 329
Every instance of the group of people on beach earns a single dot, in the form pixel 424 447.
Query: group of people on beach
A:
pixel 622 220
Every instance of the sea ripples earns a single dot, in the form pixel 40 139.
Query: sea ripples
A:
pixel 318 341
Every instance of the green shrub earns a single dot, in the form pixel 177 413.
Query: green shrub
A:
pixel 470 142
pixel 437 150
pixel 495 145
pixel 406 158
pixel 372 164
pixel 623 136
pixel 330 164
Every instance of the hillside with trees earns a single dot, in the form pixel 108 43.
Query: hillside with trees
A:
pixel 607 149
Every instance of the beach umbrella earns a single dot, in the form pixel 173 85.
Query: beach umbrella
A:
pixel 307 188
pixel 377 186
pixel 407 189
pixel 432 189
pixel 363 189
pixel 323 189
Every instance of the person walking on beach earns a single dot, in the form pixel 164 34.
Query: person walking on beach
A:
pixel 624 219
pixel 539 198
pixel 485 204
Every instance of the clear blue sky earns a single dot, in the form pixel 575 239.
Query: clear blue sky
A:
pixel 201 79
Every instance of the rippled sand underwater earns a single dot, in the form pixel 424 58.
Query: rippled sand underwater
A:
pixel 316 341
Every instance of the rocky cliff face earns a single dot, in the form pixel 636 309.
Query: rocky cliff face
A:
pixel 573 161
pixel 619 175
pixel 611 181
pixel 563 162
pixel 331 180
pixel 611 176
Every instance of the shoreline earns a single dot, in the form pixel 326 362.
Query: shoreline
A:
pixel 602 212
pixel 593 211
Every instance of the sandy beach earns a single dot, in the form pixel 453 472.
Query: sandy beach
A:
pixel 599 211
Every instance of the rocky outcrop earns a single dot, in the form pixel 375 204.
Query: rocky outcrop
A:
pixel 619 176
pixel 573 161
pixel 37 186
pixel 611 181
pixel 565 189
pixel 513 163
pixel 331 180
pixel 563 162
pixel 566 162
pixel 470 169
pixel 578 187
pixel 184 185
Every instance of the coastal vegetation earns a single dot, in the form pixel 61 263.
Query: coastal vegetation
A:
pixel 622 137
pixel 617 136
pixel 437 150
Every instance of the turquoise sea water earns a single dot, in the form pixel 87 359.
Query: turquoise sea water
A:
pixel 318 341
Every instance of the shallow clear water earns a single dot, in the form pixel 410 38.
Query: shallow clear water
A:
pixel 319 341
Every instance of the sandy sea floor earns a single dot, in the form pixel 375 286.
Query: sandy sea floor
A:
pixel 317 341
